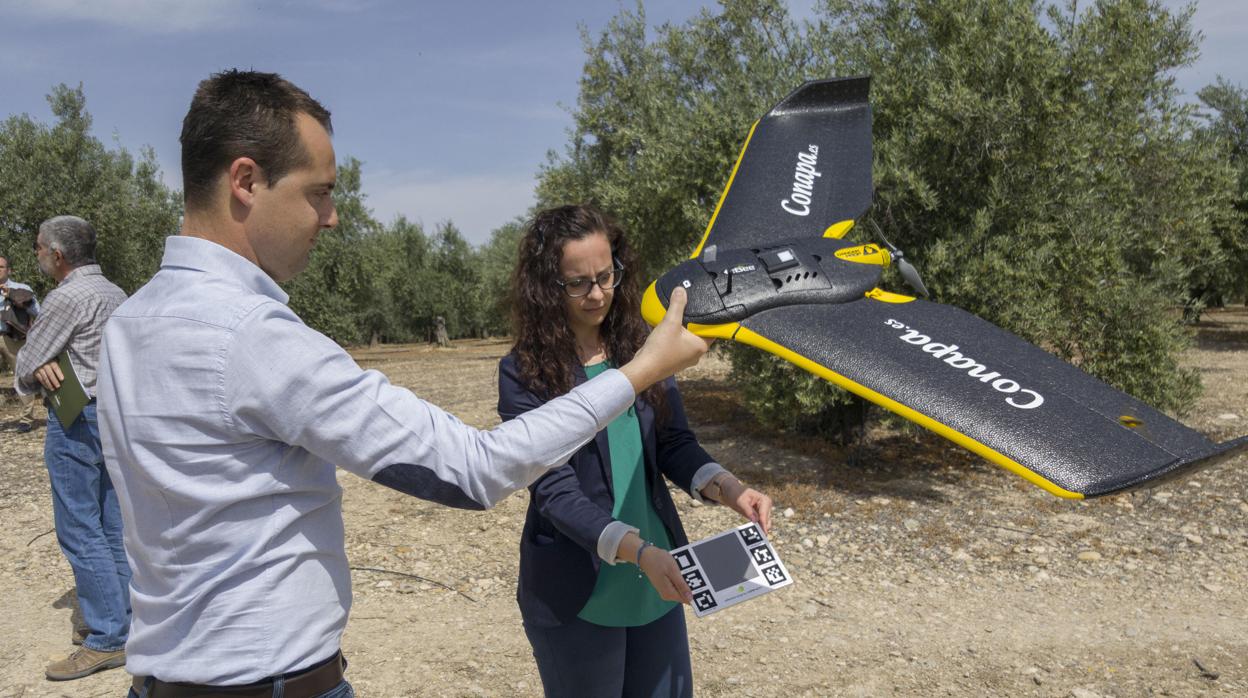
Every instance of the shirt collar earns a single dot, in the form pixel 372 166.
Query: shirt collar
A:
pixel 186 252
pixel 79 272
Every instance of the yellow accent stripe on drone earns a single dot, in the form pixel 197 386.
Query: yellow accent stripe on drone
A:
pixel 880 294
pixel 839 230
pixel 725 331
pixel 698 250
pixel 745 336
pixel 865 254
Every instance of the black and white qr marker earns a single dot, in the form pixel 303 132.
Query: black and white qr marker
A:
pixel 730 567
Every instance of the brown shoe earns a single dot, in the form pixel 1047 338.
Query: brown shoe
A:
pixel 84 662
pixel 78 635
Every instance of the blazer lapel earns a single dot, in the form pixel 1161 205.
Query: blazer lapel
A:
pixel 600 440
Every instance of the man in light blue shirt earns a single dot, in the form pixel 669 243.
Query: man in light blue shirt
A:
pixel 10 342
pixel 223 416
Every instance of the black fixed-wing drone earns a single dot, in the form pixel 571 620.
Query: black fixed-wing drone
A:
pixel 772 272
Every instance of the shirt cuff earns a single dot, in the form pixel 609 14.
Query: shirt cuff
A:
pixel 609 539
pixel 609 395
pixel 702 478
pixel 23 391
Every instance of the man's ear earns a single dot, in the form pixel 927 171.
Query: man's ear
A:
pixel 244 177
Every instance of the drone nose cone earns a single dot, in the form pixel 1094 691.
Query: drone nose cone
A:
pixel 652 307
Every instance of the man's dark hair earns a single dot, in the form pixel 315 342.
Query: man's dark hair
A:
pixel 237 114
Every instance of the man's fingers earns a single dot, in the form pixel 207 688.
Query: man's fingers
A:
pixel 56 371
pixel 676 306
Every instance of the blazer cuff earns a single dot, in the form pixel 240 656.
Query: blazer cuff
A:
pixel 702 478
pixel 609 540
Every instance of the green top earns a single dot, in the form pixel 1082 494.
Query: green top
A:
pixel 623 596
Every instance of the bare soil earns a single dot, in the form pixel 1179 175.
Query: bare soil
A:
pixel 919 570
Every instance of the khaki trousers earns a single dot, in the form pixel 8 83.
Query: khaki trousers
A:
pixel 8 352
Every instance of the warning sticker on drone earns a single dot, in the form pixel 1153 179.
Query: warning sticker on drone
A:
pixel 731 567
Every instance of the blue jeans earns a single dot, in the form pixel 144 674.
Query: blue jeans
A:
pixel 584 660
pixel 88 527
pixel 342 690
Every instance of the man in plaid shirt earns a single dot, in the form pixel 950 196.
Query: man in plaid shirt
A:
pixel 84 504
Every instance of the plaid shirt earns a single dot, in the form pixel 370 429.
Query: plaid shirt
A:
pixel 72 316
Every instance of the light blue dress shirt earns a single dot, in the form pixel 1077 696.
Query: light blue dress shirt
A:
pixel 222 418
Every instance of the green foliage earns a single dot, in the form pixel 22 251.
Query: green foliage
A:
pixel 1227 132
pixel 364 282
pixel 1039 163
pixel 58 169
pixel 497 260
pixel 1033 159
pixel 368 282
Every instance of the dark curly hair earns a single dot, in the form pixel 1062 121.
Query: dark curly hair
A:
pixel 545 347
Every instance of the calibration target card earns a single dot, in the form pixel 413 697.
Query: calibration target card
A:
pixel 729 568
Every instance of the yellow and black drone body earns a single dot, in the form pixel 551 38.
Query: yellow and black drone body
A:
pixel 773 272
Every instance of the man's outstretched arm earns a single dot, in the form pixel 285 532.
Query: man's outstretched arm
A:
pixel 289 383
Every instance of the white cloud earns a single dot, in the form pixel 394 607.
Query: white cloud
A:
pixel 476 203
pixel 149 15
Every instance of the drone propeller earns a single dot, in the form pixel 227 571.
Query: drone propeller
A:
pixel 908 273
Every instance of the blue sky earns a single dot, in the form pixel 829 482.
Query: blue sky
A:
pixel 451 106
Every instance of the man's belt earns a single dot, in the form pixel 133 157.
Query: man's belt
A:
pixel 308 683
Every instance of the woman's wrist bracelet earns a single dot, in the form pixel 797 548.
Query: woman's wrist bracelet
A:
pixel 644 544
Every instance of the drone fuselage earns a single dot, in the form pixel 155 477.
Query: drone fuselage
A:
pixel 726 286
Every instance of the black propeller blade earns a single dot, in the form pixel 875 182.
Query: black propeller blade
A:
pixel 908 273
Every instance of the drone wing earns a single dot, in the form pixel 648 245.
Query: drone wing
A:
pixel 988 391
pixel 805 169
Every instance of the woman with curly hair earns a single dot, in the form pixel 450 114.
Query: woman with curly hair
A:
pixel 597 627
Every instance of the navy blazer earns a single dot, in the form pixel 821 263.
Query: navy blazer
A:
pixel 570 505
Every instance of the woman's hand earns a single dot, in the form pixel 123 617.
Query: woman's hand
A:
pixel 746 501
pixel 664 574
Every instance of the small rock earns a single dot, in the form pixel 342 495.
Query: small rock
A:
pixel 961 555
pixel 911 525
pixel 694 503
pixel 1083 693
pixel 1228 417
pixel 1194 539
pixel 808 543
pixel 823 540
pixel 1089 556
pixel 789 513
pixel 1210 587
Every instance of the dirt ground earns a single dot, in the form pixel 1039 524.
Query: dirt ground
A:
pixel 919 570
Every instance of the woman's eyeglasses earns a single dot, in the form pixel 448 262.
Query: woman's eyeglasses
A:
pixel 580 286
